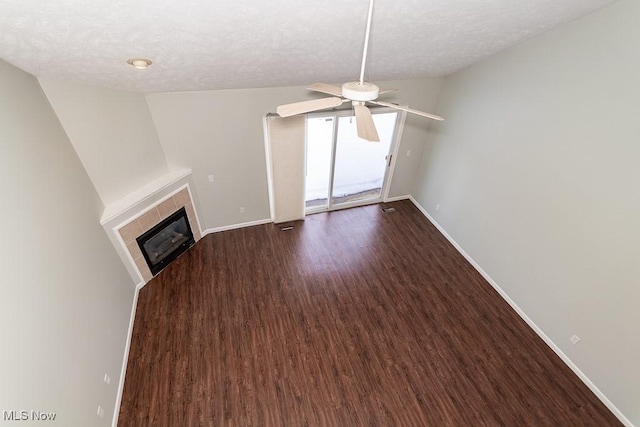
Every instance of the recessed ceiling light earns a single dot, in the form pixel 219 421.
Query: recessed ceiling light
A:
pixel 139 63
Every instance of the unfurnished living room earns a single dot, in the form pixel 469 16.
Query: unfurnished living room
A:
pixel 320 213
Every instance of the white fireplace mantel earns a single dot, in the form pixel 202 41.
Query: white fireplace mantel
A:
pixel 143 194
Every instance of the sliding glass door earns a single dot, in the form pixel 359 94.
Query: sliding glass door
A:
pixel 344 170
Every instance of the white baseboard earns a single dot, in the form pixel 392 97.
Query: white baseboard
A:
pixel 132 318
pixel 236 226
pixel 396 198
pixel 527 319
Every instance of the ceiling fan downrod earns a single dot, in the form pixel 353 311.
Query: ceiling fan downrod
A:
pixel 366 41
pixel 361 91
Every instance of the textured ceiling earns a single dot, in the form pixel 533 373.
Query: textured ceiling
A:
pixel 223 44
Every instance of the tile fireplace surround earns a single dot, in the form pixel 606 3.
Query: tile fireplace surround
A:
pixel 137 213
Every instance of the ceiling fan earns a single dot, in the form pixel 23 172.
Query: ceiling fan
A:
pixel 359 93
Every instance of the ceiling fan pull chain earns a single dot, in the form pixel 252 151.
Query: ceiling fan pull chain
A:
pixel 366 41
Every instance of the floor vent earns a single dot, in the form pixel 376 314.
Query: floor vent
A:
pixel 388 210
pixel 286 228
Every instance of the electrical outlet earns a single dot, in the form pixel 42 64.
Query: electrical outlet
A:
pixel 211 178
pixel 574 339
pixel 408 153
pixel 107 379
pixel 242 210
pixel 438 207
pixel 100 411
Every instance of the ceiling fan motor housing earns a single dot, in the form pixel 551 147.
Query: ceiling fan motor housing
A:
pixel 360 91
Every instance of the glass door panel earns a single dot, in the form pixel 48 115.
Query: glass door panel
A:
pixel 320 132
pixel 360 166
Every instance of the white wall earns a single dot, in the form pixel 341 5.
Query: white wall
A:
pixel 221 133
pixel 65 297
pixel 536 172
pixel 113 134
pixel 420 95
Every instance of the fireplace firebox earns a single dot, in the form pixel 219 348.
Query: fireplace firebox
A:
pixel 166 241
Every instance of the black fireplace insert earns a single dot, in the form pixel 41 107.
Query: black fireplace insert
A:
pixel 166 241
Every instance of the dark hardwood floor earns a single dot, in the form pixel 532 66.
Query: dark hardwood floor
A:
pixel 353 318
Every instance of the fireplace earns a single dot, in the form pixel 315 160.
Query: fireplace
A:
pixel 143 214
pixel 166 241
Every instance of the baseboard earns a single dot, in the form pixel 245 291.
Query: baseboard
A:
pixel 397 198
pixel 132 318
pixel 236 226
pixel 528 320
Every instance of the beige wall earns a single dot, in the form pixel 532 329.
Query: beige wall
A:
pixel 125 142
pixel 65 297
pixel 112 133
pixel 421 95
pixel 221 133
pixel 536 174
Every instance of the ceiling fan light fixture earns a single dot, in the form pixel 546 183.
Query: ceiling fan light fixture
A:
pixel 360 91
pixel 139 63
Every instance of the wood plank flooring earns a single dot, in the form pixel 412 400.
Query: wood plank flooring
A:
pixel 353 318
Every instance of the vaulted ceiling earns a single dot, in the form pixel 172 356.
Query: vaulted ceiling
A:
pixel 224 44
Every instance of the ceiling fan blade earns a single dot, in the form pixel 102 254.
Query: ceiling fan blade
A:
pixel 383 91
pixel 325 88
pixel 288 110
pixel 408 110
pixel 365 125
